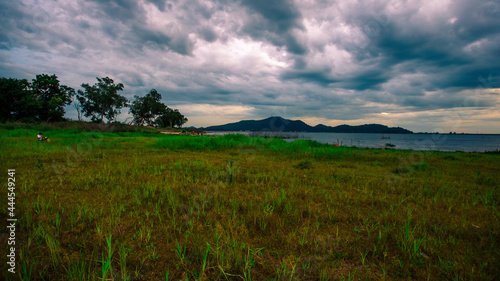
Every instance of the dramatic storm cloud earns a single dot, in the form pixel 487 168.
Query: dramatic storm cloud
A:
pixel 423 65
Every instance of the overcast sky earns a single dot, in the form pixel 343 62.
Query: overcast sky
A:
pixel 429 65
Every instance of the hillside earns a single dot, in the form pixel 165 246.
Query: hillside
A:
pixel 285 125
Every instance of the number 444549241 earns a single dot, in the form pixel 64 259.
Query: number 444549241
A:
pixel 12 187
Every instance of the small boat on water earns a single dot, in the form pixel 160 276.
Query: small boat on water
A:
pixel 385 138
pixel 390 145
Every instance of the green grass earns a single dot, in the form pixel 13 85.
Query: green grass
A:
pixel 146 206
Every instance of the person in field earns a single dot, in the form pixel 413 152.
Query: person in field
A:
pixel 41 137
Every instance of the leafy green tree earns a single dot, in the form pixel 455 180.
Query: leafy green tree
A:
pixel 16 99
pixel 172 118
pixel 146 109
pixel 51 97
pixel 43 99
pixel 102 100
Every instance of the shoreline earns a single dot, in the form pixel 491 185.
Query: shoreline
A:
pixel 415 142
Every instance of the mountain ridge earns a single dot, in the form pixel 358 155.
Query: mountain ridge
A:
pixel 279 124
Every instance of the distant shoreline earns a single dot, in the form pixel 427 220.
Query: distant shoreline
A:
pixel 413 133
pixel 469 134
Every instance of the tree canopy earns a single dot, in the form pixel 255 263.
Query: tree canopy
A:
pixel 102 100
pixel 171 118
pixel 13 94
pixel 150 110
pixel 51 97
pixel 146 109
pixel 43 99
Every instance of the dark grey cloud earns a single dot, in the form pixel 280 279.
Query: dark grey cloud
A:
pixel 368 79
pixel 207 33
pixel 445 45
pixel 281 15
pixel 126 21
pixel 169 38
pixel 160 4
pixel 275 21
pixel 120 10
pixel 320 77
pixel 17 24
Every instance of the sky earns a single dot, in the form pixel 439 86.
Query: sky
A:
pixel 427 66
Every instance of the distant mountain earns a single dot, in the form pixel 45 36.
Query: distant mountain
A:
pixel 285 125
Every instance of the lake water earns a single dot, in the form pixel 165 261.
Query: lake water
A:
pixel 441 142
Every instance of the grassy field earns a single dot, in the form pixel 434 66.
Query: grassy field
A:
pixel 147 206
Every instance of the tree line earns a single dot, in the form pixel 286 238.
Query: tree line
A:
pixel 44 99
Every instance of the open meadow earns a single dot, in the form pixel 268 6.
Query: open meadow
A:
pixel 149 206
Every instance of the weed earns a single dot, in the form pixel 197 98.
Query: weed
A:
pixel 180 251
pixel 106 260
pixel 123 252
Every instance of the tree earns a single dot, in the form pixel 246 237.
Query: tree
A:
pixel 50 97
pixel 16 99
pixel 102 100
pixel 43 99
pixel 146 109
pixel 172 117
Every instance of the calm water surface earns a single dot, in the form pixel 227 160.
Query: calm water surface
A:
pixel 441 142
